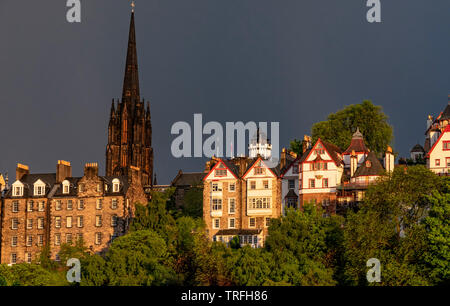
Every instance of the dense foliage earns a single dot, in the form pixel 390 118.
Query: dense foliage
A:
pixel 340 126
pixel 404 222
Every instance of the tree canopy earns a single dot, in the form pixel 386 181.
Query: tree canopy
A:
pixel 340 126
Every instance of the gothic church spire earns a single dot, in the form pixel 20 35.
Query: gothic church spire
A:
pixel 131 80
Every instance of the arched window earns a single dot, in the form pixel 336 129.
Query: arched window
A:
pixel 65 187
pixel 116 185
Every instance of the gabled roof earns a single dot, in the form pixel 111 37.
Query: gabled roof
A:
pixel 334 151
pixel 275 170
pixel 375 167
pixel 234 170
pixel 357 144
pixel 447 129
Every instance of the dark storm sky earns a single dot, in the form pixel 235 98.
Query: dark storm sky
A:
pixel 292 61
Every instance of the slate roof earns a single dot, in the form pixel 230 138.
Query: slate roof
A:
pixel 291 194
pixel 188 178
pixel 304 156
pixel 334 151
pixel 290 161
pixel 357 144
pixel 446 113
pixel 375 166
pixel 54 189
pixel 418 148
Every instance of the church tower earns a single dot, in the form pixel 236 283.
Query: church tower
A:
pixel 130 128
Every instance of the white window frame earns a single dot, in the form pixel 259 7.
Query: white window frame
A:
pixel 98 238
pixel 69 224
pixel 57 239
pixel 13 258
pixel 116 185
pixel 230 221
pixel 114 220
pixel 99 204
pixel 14 223
pixel 216 206
pixel 39 188
pixel 215 226
pixel 80 221
pixel 15 206
pixel 17 189
pixel 40 223
pixel 98 221
pixel 232 189
pixel 14 241
pixel 65 187
pixel 229 206
pixel 250 222
pixel 29 241
pixel 57 221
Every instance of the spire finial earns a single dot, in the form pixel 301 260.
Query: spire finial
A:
pixel 133 5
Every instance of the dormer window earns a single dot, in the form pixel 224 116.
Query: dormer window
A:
pixel 116 185
pixel 39 188
pixel 66 187
pixel 81 188
pixel 18 190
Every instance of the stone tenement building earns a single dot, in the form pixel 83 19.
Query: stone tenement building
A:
pixel 130 129
pixel 240 197
pixel 55 208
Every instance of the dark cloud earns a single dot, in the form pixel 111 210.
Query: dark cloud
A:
pixel 262 60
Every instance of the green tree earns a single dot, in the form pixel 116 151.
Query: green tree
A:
pixel 389 227
pixel 436 256
pixel 193 202
pixel 94 271
pixel 154 216
pixel 139 258
pixel 31 275
pixel 296 146
pixel 340 126
pixel 250 267
pixel 303 242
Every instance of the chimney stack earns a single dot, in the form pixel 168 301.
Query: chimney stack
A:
pixel 306 143
pixel 353 163
pixel 63 170
pixel 283 158
pixel 134 175
pixel 21 170
pixel 389 160
pixel 91 169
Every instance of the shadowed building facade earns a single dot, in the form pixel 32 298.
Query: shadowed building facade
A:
pixel 130 129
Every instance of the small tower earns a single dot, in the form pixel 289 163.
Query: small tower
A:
pixel 260 145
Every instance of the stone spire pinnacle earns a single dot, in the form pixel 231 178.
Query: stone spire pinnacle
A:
pixel 131 80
